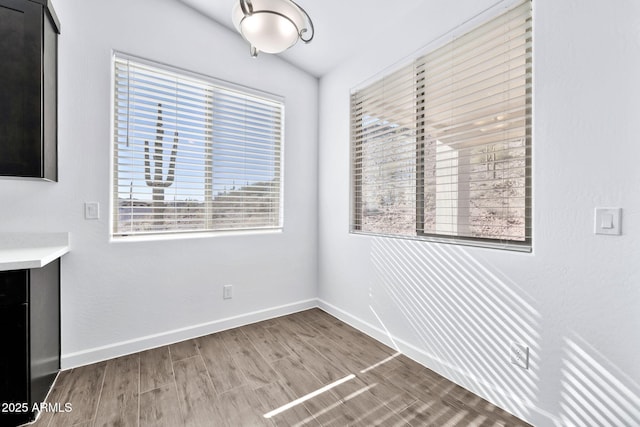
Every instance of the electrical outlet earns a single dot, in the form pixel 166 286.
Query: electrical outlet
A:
pixel 520 355
pixel 227 291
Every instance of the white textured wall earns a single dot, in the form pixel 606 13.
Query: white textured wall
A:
pixel 117 296
pixel 575 301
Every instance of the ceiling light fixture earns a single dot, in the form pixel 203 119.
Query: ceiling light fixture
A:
pixel 272 26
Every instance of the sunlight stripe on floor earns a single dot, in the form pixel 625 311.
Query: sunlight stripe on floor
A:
pixel 308 396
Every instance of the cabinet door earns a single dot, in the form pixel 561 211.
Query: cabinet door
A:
pixel 44 325
pixel 14 364
pixel 21 24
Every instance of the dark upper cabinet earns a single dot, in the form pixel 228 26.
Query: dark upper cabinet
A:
pixel 28 90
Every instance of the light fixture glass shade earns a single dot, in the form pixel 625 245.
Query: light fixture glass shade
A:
pixel 269 32
pixel 271 26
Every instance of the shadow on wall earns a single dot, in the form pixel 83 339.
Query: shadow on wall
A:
pixel 463 315
pixel 593 391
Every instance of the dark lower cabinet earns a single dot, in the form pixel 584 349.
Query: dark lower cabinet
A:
pixel 30 355
pixel 28 93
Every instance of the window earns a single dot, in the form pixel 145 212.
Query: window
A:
pixel 192 155
pixel 441 148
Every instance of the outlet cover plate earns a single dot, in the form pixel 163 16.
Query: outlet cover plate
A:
pixel 227 291
pixel 91 210
pixel 519 355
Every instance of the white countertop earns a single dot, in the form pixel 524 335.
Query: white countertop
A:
pixel 31 250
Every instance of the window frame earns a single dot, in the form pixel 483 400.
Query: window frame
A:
pixel 214 84
pixel 357 205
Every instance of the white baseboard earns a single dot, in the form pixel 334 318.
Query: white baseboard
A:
pixel 536 415
pixel 97 354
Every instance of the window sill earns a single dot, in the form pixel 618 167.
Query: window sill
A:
pixel 506 246
pixel 192 235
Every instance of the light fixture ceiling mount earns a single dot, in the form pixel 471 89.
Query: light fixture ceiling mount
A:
pixel 272 26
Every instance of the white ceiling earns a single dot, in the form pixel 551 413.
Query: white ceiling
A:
pixel 343 27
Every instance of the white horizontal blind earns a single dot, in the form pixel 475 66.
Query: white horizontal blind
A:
pixel 384 134
pixel 192 156
pixel 441 149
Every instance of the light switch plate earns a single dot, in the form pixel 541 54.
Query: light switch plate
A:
pixel 91 210
pixel 608 221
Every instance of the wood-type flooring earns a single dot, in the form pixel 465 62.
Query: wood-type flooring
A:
pixel 304 369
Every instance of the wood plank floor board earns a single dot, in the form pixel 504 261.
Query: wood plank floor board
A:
pixel 326 407
pixel 335 356
pixel 315 362
pixel 339 355
pixel 158 407
pixel 295 324
pixel 421 414
pixel 266 323
pixel 318 324
pixel 369 411
pixel 356 359
pixel 155 369
pixel 329 410
pixel 196 395
pixel 241 407
pixel 84 385
pixel 383 367
pixel 463 400
pixel 453 416
pixel 55 396
pixel 366 408
pixel 295 376
pixel 327 363
pixel 183 350
pixel 362 405
pixel 408 378
pixel 222 368
pixel 418 382
pixel 265 342
pixel 275 396
pixel 426 374
pixel 284 336
pixel 329 325
pixel 235 377
pixel 362 349
pixel 118 404
pixel 254 367
pixel 392 396
pixel 381 418
pixel 394 399
pixel 438 389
